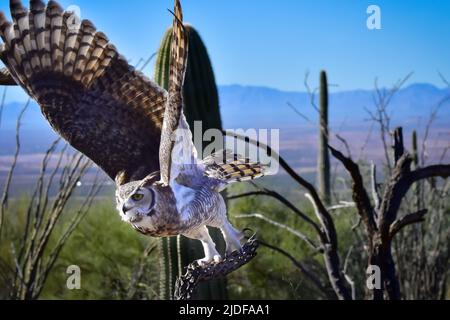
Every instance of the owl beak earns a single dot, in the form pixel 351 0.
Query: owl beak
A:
pixel 125 209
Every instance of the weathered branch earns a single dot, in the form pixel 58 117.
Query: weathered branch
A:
pixel 186 284
pixel 400 182
pixel 342 205
pixel 308 273
pixel 439 170
pixel 346 275
pixel 360 196
pixel 330 254
pixel 375 192
pixel 280 198
pixel 410 218
pixel 345 143
pixel 282 226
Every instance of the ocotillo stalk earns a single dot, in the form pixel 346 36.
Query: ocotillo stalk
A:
pixel 201 103
pixel 323 163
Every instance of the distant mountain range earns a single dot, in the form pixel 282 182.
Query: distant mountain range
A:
pixel 261 107
pixel 249 106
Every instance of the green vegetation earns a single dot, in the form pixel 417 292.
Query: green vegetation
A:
pixel 107 251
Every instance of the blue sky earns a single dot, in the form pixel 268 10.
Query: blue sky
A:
pixel 273 43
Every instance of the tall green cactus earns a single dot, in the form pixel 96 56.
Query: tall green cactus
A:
pixel 323 163
pixel 415 162
pixel 201 103
pixel 415 155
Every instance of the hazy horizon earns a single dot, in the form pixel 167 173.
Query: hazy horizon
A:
pixel 308 36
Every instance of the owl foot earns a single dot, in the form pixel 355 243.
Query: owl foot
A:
pixel 232 239
pixel 209 260
pixel 186 284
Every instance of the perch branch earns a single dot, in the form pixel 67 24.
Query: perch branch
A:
pixel 186 284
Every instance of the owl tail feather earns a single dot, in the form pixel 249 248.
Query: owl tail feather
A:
pixel 229 167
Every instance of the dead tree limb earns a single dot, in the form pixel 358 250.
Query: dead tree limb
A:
pixel 303 268
pixel 359 193
pixel 382 229
pixel 280 198
pixel 410 218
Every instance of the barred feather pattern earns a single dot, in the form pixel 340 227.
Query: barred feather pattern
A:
pixel 229 167
pixel 174 111
pixel 87 91
pixel 6 79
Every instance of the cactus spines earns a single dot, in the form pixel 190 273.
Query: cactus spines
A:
pixel 201 103
pixel 323 163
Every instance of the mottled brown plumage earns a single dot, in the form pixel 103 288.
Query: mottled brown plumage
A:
pixel 179 54
pixel 5 78
pixel 87 91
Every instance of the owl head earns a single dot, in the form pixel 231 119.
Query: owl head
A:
pixel 136 200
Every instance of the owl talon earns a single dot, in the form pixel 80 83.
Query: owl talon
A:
pixel 209 260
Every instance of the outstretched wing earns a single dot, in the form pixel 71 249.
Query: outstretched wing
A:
pixel 88 92
pixel 173 117
pixel 228 167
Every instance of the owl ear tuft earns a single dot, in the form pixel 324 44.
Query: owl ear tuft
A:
pixel 121 178
pixel 150 179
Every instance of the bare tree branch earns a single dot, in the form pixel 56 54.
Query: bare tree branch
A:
pixel 331 256
pixel 302 267
pixel 280 198
pixel 410 218
pixel 360 196
pixel 297 233
pixel 345 143
pixel 4 200
pixel 290 105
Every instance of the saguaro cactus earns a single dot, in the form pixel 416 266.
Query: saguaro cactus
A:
pixel 415 155
pixel 415 162
pixel 323 163
pixel 201 103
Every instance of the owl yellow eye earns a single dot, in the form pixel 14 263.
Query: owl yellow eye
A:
pixel 137 197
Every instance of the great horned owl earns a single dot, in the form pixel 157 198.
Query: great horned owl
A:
pixel 129 126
